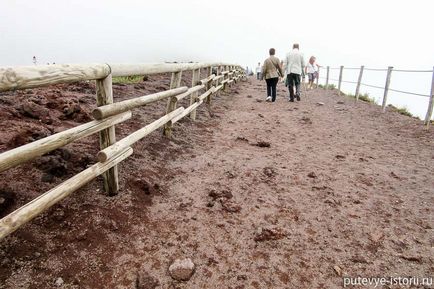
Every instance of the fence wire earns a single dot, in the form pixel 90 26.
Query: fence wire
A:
pixel 406 92
pixel 380 87
pixel 410 70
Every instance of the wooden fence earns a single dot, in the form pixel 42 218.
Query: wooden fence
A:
pixel 386 87
pixel 107 114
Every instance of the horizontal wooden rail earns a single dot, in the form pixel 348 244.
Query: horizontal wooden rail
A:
pixel 118 107
pixel 188 92
pixel 205 94
pixel 218 78
pixel 187 111
pixel 128 141
pixel 24 77
pixel 24 214
pixel 35 76
pixel 224 81
pixel 37 148
pixel 206 80
pixel 217 88
pixel 150 68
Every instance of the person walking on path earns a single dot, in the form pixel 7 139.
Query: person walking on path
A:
pixel 271 71
pixel 258 71
pixel 294 66
pixel 311 70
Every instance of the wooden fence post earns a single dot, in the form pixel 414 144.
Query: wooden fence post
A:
pixel 340 79
pixel 175 82
pixel 327 78
pixel 194 79
pixel 317 79
pixel 225 77
pixel 216 83
pixel 386 87
pixel 431 103
pixel 107 137
pixel 208 87
pixel 359 82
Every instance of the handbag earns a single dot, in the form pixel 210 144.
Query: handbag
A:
pixel 277 68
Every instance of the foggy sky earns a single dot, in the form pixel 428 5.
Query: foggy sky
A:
pixel 351 33
pixel 338 32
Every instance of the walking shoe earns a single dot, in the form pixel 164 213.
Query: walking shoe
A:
pixel 291 100
pixel 298 97
pixel 268 98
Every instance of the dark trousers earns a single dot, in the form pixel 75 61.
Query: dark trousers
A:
pixel 294 80
pixel 271 87
pixel 258 75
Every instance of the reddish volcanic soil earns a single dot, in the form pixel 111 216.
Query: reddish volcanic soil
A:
pixel 256 194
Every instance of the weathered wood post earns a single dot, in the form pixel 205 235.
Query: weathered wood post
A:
pixel 208 87
pixel 340 79
pixel 225 77
pixel 327 78
pixel 172 102
pixel 317 79
pixel 217 82
pixel 194 79
pixel 386 87
pixel 107 137
pixel 359 82
pixel 431 103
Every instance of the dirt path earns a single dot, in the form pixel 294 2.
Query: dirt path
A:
pixel 261 195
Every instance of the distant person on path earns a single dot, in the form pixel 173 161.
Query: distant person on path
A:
pixel 311 70
pixel 271 71
pixel 294 66
pixel 249 71
pixel 259 71
pixel 34 60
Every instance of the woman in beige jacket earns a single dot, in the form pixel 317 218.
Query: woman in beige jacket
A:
pixel 271 71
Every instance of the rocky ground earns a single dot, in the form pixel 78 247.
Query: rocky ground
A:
pixel 251 195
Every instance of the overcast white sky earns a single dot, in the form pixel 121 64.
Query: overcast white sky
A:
pixel 351 33
pixel 338 32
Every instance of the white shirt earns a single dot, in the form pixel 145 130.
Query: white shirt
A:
pixel 294 62
pixel 311 68
pixel 258 69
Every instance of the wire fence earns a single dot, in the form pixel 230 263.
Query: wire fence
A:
pixel 386 88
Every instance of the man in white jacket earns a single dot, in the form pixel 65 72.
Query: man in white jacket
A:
pixel 294 66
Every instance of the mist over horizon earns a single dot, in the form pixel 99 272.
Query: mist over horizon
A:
pixel 367 33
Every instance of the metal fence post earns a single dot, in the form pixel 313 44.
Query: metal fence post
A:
pixel 340 79
pixel 431 103
pixel 359 81
pixel 386 87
